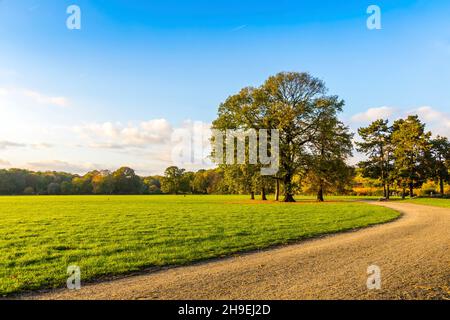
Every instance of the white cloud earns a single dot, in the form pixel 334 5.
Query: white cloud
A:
pixel 41 145
pixel 373 114
pixel 40 98
pixel 57 165
pixel 191 147
pixel 110 135
pixel 9 144
pixel 438 122
pixel 155 141
pixel 36 97
pixel 106 145
pixel 4 163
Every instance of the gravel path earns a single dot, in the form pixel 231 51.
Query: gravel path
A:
pixel 413 254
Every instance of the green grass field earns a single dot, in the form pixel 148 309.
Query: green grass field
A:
pixel 109 235
pixel 443 203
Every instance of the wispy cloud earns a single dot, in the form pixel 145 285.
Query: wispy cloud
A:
pixel 10 144
pixel 373 114
pixel 57 165
pixel 239 28
pixel 437 121
pixel 156 141
pixel 4 163
pixel 34 96
pixel 110 135
pixel 43 145
pixel 45 99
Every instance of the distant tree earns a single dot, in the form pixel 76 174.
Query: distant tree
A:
pixel 28 191
pixel 54 188
pixel 126 181
pixel 43 179
pixel 241 179
pixel 172 181
pixel 66 188
pixel 200 183
pixel 215 181
pixel 6 183
pixel 340 182
pixel 411 143
pixel 12 181
pixel 366 186
pixel 82 185
pixel 186 182
pixel 261 183
pixel 376 145
pixel 439 159
pixel 102 182
pixel 152 185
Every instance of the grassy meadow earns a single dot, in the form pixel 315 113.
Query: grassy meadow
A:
pixel 109 235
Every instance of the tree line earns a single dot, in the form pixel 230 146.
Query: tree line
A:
pixel 121 182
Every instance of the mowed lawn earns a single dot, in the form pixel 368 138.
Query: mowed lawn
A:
pixel 436 202
pixel 109 235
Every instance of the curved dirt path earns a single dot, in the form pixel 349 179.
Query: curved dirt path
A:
pixel 413 254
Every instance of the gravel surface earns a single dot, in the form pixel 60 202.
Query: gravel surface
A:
pixel 413 254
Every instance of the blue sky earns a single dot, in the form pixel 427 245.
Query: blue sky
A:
pixel 107 95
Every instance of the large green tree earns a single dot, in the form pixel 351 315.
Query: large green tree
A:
pixel 331 147
pixel 294 103
pixel 439 161
pixel 376 145
pixel 411 143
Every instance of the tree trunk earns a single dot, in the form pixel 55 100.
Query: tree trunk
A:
pixel 288 197
pixel 404 193
pixel 388 195
pixel 277 190
pixel 411 190
pixel 263 194
pixel 320 194
pixel 288 192
pixel 252 195
pixel 441 186
pixel 384 190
